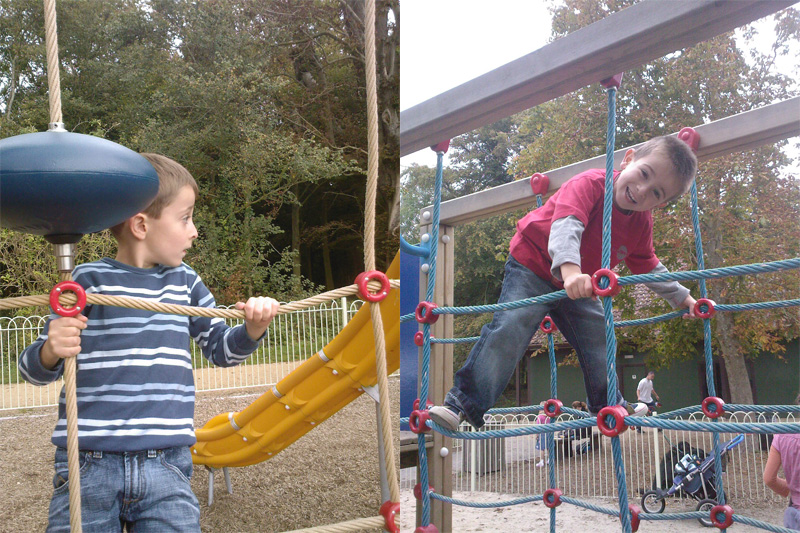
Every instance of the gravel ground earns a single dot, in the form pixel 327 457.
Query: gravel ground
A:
pixel 329 475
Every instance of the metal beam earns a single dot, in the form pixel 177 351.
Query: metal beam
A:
pixel 736 133
pixel 624 40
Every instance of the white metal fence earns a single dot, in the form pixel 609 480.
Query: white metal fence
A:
pixel 584 467
pixel 291 339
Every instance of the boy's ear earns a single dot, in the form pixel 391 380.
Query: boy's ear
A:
pixel 626 160
pixel 138 225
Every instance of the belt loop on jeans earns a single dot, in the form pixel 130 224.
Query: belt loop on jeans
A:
pixel 152 454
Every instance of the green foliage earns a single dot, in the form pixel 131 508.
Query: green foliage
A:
pixel 263 102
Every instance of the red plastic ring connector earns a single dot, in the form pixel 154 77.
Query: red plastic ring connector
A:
pixel 540 183
pixel 613 81
pixel 690 137
pixel 365 277
pixel 635 510
pixel 430 528
pixel 618 414
pixel 419 338
pixel 428 404
pixel 418 490
pixel 390 510
pixel 613 282
pixel 709 305
pixel 441 147
pixel 552 407
pixel 548 326
pixel 552 497
pixel 726 511
pixel 424 313
pixel 63 287
pixel 713 407
pixel 417 419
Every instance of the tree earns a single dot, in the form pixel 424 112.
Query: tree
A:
pixel 262 100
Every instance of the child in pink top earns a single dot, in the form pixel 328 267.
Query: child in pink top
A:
pixel 785 451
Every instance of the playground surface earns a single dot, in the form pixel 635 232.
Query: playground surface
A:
pixel 329 475
pixel 569 518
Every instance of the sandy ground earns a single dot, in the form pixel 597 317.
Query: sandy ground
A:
pixel 328 476
pixel 570 518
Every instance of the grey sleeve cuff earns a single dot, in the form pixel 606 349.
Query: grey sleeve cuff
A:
pixel 564 245
pixel 31 368
pixel 240 342
pixel 672 291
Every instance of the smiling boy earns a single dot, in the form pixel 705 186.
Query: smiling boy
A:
pixel 560 246
pixel 135 386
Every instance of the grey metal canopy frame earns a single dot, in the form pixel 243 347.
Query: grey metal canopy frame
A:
pixel 624 40
pixel 736 133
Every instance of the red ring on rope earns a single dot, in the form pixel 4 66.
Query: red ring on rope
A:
pixel 548 326
pixel 726 511
pixel 63 287
pixel 717 404
pixel 389 510
pixel 552 498
pixel 430 528
pixel 418 490
pixel 424 313
pixel 552 407
pixel 710 310
pixel 635 510
pixel 365 277
pixel 416 421
pixel 540 183
pixel 618 413
pixel 419 338
pixel 613 282
pixel 428 404
pixel 690 137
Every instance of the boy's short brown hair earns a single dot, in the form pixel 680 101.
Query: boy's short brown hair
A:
pixel 680 155
pixel 172 177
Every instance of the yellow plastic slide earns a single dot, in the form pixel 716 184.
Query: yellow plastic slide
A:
pixel 309 395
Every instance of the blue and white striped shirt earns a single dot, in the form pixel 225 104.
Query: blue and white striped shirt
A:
pixel 135 386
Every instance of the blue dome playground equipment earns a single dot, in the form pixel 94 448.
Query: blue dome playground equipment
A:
pixel 64 185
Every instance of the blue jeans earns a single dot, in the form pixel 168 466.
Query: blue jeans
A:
pixel 492 361
pixel 146 491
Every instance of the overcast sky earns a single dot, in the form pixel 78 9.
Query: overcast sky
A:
pixel 448 42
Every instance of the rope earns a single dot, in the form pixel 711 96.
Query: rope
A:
pixel 369 249
pixel 185 310
pixel 53 78
pixel 360 524
pixel 73 453
pixel 71 363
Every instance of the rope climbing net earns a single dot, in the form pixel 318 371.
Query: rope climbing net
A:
pixel 68 298
pixel 612 420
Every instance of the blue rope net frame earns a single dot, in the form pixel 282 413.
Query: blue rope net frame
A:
pixel 721 515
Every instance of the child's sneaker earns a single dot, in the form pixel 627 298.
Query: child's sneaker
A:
pixel 636 409
pixel 446 416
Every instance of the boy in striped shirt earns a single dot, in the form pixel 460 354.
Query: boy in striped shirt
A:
pixel 135 386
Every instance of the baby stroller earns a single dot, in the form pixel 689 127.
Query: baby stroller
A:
pixel 694 477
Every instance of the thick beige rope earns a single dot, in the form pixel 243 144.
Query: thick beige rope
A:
pixel 73 453
pixel 149 305
pixel 70 364
pixel 51 43
pixel 369 249
pixel 351 525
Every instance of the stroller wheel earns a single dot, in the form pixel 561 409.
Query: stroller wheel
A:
pixel 706 506
pixel 653 503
